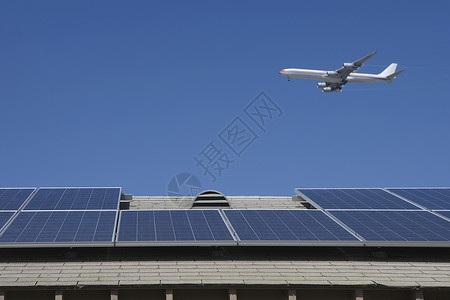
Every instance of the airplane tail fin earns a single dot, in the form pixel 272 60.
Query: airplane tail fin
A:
pixel 389 70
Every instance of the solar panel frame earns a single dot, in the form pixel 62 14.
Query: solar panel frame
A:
pixel 432 216
pixel 47 244
pixel 401 204
pixel 164 243
pixel 30 203
pixel 341 243
pixel 420 203
pixel 11 206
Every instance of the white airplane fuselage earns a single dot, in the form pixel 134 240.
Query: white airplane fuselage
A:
pixel 327 76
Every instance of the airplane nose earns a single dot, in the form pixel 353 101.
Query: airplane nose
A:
pixel 281 72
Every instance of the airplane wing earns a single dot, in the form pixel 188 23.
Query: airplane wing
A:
pixel 338 77
pixel 348 68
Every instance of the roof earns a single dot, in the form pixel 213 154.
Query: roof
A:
pixel 280 267
pixel 236 271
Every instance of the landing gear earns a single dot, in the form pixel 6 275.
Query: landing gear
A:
pixel 289 78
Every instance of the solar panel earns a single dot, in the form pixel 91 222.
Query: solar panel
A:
pixel 173 227
pixel 75 199
pixel 12 199
pixel 63 228
pixel 432 198
pixel 353 199
pixel 445 213
pixel 288 227
pixel 4 218
pixel 397 228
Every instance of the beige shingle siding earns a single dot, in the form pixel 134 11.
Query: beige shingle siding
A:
pixel 236 202
pixel 259 202
pixel 157 202
pixel 226 273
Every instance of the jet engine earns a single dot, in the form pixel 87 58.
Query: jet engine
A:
pixel 348 65
pixel 327 89
pixel 332 73
pixel 322 85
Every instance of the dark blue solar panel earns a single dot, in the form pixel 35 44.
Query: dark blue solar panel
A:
pixel 4 217
pixel 355 199
pixel 429 198
pixel 61 227
pixel 444 213
pixel 408 226
pixel 172 225
pixel 74 199
pixel 12 199
pixel 286 225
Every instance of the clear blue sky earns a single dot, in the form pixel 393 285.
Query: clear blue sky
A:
pixel 126 93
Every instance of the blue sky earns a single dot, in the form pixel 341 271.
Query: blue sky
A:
pixel 116 93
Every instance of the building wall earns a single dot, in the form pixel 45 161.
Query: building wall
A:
pixel 258 294
pixel 30 295
pixel 436 295
pixel 135 294
pixel 200 294
pixel 388 295
pixel 324 294
pixel 222 294
pixel 86 295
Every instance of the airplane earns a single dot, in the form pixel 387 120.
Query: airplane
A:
pixel 335 80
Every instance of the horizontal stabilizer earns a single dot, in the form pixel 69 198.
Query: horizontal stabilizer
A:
pixel 392 76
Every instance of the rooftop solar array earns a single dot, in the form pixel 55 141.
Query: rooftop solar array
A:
pixel 60 228
pixel 354 199
pixel 13 199
pixel 75 199
pixel 78 217
pixel 397 228
pixel 173 227
pixel 288 227
pixel 430 198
